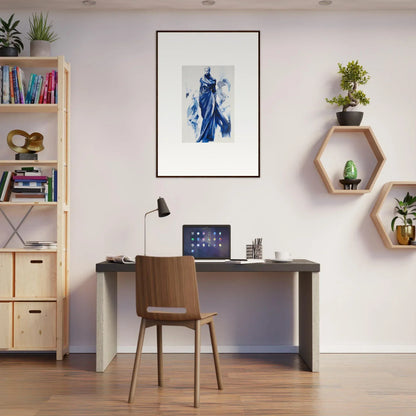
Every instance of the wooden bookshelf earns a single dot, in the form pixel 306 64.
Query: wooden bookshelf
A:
pixel 28 108
pixel 34 284
pixel 17 163
pixel 28 204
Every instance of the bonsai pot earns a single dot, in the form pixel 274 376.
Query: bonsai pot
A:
pixel 405 233
pixel 40 48
pixel 349 118
pixel 9 51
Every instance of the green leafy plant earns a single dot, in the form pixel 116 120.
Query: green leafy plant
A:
pixel 406 209
pixel 9 35
pixel 40 28
pixel 352 75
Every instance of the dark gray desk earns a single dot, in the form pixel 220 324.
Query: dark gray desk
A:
pixel 308 271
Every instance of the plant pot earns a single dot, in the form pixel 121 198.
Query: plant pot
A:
pixel 349 118
pixel 9 51
pixel 40 48
pixel 404 234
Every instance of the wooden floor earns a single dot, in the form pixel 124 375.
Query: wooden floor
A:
pixel 255 384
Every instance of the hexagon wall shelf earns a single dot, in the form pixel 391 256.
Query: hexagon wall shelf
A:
pixel 374 146
pixel 375 214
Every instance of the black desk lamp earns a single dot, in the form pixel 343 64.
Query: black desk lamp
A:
pixel 163 211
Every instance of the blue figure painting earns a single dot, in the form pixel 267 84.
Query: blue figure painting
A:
pixel 208 104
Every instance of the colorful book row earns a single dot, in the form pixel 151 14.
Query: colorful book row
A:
pixel 15 187
pixel 41 89
pixel 6 183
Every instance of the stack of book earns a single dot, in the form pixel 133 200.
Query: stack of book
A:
pixel 40 245
pixel 27 184
pixel 40 89
pixel 29 188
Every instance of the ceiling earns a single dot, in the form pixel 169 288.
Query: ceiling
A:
pixel 337 5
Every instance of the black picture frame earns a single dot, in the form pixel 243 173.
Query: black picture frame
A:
pixel 180 61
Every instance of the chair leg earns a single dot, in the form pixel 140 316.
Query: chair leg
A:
pixel 197 362
pixel 159 355
pixel 137 361
pixel 215 353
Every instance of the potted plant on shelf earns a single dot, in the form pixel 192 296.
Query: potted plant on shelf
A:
pixel 41 35
pixel 10 42
pixel 406 210
pixel 352 76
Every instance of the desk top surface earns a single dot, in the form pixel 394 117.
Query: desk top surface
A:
pixel 297 265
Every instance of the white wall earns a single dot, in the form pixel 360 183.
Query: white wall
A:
pixel 366 293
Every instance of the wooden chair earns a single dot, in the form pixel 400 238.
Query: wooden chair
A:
pixel 167 294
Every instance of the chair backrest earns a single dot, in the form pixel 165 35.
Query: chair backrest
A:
pixel 167 282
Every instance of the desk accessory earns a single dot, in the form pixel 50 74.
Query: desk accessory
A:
pixel 162 210
pixel 207 242
pixel 258 248
pixel 120 259
pixel 249 251
pixel 244 261
pixel 282 256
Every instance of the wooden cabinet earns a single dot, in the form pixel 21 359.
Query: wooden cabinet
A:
pixel 34 284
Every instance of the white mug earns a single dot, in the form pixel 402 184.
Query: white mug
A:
pixel 282 256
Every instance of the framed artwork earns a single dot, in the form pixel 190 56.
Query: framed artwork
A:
pixel 208 104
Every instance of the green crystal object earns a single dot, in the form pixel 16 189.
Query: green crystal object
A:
pixel 350 170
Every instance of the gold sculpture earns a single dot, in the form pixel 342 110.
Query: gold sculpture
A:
pixel 33 143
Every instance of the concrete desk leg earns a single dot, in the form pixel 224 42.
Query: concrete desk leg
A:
pixel 309 319
pixel 106 338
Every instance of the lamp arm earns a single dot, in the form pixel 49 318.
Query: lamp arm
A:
pixel 145 215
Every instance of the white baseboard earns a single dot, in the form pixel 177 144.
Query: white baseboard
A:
pixel 79 349
pixel 243 349
pixel 259 349
pixel 368 349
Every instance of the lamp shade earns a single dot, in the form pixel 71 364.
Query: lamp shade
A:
pixel 162 208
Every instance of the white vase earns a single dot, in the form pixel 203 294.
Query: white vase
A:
pixel 40 48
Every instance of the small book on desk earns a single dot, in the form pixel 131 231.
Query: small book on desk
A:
pixel 120 259
pixel 244 261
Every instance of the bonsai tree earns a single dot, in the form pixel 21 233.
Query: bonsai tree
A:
pixel 352 75
pixel 9 35
pixel 406 209
pixel 40 29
